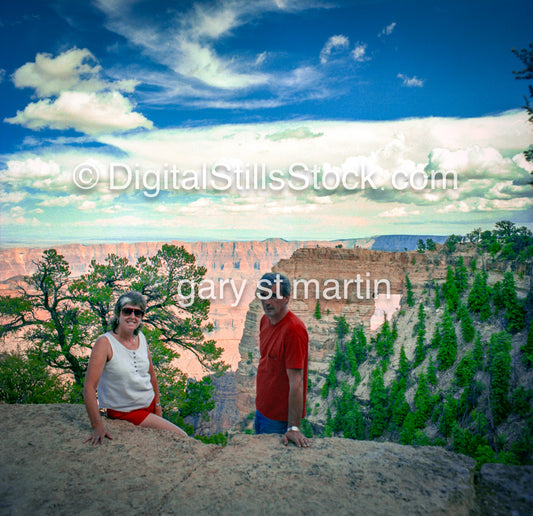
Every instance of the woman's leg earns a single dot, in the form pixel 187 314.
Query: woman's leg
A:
pixel 153 421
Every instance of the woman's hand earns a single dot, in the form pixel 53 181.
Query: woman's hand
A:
pixel 98 435
pixel 158 411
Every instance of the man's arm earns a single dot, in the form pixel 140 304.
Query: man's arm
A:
pixel 296 405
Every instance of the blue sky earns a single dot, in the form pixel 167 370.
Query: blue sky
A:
pixel 102 100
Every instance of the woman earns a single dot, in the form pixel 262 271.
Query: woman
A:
pixel 120 368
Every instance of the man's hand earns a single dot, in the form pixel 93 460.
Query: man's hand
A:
pixel 296 437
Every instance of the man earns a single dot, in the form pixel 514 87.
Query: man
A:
pixel 282 370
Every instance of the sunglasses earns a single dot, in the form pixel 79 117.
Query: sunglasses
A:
pixel 136 311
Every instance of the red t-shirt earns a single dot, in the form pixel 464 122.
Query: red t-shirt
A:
pixel 282 346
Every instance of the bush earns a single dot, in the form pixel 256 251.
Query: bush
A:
pixel 27 379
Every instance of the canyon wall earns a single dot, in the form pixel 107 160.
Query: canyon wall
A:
pixel 242 263
pixel 359 274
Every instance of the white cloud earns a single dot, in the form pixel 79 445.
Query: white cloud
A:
pixel 74 96
pixel 359 53
pixel 338 42
pixel 411 82
pixel 12 197
pixel 387 31
pixel 90 113
pixel 73 70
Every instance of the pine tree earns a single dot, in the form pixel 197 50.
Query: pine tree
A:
pixel 460 276
pixel 400 407
pixel 410 300
pixel 467 326
pixel 378 404
pixel 514 312
pixel 448 343
pixel 500 371
pixel 431 372
pixel 479 297
pixel 403 365
pixel 449 289
pixel 478 352
pixel 422 401
pixel 420 350
pixel 318 314
pixel 356 348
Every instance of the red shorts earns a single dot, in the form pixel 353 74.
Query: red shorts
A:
pixel 134 416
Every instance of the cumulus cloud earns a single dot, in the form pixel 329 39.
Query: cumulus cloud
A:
pixel 74 96
pixel 411 82
pixel 73 70
pixel 334 43
pixel 91 113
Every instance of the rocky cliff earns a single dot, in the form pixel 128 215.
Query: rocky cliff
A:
pixel 360 274
pixel 46 469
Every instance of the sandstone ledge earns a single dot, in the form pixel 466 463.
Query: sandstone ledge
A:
pixel 46 469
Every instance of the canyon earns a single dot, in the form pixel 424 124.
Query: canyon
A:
pixel 239 264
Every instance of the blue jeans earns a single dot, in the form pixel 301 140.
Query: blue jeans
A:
pixel 264 425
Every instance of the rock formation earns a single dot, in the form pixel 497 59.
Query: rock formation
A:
pixel 330 267
pixel 46 469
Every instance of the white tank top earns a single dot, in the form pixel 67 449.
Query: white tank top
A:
pixel 125 382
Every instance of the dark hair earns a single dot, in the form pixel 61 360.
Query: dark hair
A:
pixel 129 298
pixel 272 278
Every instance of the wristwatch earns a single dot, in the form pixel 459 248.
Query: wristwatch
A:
pixel 293 429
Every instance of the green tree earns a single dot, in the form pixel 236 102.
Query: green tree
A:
pixel 479 297
pixel 460 275
pixel 420 350
pixel 379 403
pixel 341 327
pixel 403 365
pixel 318 314
pixel 449 290
pixel 466 369
pixel 430 245
pixel 356 349
pixel 76 311
pixel 448 343
pixel 467 326
pixel 421 246
pixel 450 245
pixel 527 348
pixel 399 406
pixel 500 373
pixel 410 300
pixel 514 312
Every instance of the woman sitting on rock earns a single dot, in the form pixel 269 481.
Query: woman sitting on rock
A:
pixel 120 369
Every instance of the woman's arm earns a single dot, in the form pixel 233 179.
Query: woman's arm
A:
pixel 100 354
pixel 153 380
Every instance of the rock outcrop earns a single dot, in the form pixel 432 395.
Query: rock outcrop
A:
pixel 330 267
pixel 46 469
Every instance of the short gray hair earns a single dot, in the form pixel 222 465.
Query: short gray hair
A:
pixel 129 298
